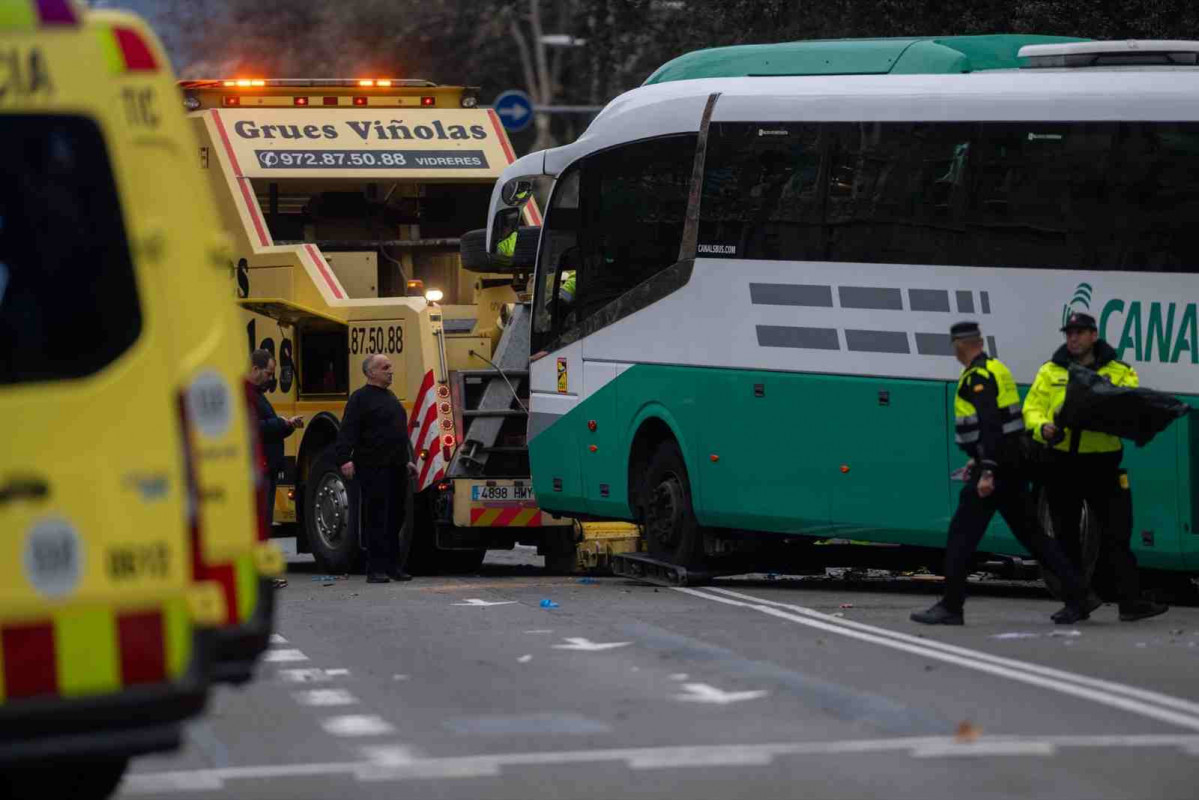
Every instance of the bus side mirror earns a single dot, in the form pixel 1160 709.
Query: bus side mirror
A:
pixel 503 232
pixel 517 192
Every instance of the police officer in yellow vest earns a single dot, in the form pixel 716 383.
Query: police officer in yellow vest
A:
pixel 988 427
pixel 1084 466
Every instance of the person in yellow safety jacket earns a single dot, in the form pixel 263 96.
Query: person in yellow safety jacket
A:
pixel 566 290
pixel 507 246
pixel 988 427
pixel 1084 466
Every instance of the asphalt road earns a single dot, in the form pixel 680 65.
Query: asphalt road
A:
pixel 470 688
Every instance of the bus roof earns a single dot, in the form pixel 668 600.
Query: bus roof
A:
pixel 1046 95
pixel 935 55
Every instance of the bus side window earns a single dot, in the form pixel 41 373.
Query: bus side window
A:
pixel 634 202
pixel 558 256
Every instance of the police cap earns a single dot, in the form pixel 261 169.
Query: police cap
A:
pixel 1080 321
pixel 965 330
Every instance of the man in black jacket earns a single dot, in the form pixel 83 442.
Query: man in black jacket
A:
pixel 373 447
pixel 272 428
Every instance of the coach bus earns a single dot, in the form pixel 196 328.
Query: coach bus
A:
pixel 765 270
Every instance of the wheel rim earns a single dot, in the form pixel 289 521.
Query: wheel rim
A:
pixel 663 512
pixel 331 510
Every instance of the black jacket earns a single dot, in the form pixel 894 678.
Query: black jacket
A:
pixel 374 430
pixel 272 430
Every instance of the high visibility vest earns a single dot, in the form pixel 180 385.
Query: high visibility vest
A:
pixel 978 376
pixel 1047 394
pixel 566 290
pixel 507 245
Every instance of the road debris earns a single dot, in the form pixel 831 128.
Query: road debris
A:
pixel 548 603
pixel 967 732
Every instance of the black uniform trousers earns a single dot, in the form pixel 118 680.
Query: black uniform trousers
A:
pixel 1014 502
pixel 1097 480
pixel 384 491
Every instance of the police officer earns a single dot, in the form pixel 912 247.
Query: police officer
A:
pixel 988 428
pixel 1085 465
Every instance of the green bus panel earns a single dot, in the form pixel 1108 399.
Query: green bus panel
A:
pixel 830 456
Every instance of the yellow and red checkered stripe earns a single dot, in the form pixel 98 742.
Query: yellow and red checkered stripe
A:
pixel 238 580
pixel 94 650
pixel 506 517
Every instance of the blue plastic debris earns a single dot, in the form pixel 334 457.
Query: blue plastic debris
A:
pixel 548 603
pixel 587 580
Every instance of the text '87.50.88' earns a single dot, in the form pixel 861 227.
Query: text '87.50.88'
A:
pixel 376 339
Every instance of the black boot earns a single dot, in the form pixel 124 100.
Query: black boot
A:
pixel 398 575
pixel 1073 612
pixel 938 615
pixel 377 577
pixel 1141 609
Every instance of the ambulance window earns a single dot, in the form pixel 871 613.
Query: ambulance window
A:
pixel 68 296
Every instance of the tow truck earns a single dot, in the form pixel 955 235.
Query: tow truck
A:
pixel 345 201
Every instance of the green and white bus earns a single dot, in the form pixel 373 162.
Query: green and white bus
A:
pixel 765 270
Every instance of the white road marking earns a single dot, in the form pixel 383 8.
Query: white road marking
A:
pixel 985 748
pixel 277 639
pixel 309 675
pixel 525 659
pixel 475 602
pixel 1146 703
pixel 324 697
pixel 283 656
pixel 540 631
pixel 357 725
pixel 389 754
pixel 703 693
pixel 679 676
pixel 579 643
pixel 401 764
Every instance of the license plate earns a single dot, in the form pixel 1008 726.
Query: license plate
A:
pixel 501 493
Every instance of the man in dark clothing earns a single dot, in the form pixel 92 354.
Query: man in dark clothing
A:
pixel 988 426
pixel 373 447
pixel 1085 465
pixel 272 428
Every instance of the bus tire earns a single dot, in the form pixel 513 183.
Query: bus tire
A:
pixel 672 532
pixel 1088 531
pixel 331 517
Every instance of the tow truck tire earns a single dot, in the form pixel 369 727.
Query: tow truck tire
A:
pixel 84 779
pixel 672 532
pixel 331 517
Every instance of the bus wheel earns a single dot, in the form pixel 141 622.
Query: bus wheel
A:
pixel 331 517
pixel 671 530
pixel 1088 535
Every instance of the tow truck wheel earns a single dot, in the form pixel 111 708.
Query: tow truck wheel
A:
pixel 671 531
pixel 331 518
pixel 85 779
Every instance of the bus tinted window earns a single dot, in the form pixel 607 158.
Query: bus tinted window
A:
pixel 1091 195
pixel 634 201
pixel 68 297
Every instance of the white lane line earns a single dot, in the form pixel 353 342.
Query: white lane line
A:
pixel 309 674
pixel 277 639
pixel 985 748
pixel 1125 698
pixel 1147 695
pixel 396 762
pixel 357 725
pixel 525 659
pixel 324 697
pixel 703 693
pixel 475 602
pixel 284 656
pixel 586 645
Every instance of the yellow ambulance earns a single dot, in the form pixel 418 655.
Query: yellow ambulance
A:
pixel 127 442
pixel 179 212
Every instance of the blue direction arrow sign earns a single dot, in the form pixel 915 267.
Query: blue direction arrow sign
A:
pixel 515 110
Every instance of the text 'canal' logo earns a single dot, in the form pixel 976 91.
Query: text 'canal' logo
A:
pixel 1143 330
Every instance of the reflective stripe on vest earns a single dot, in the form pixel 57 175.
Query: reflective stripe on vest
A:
pixel 967 428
